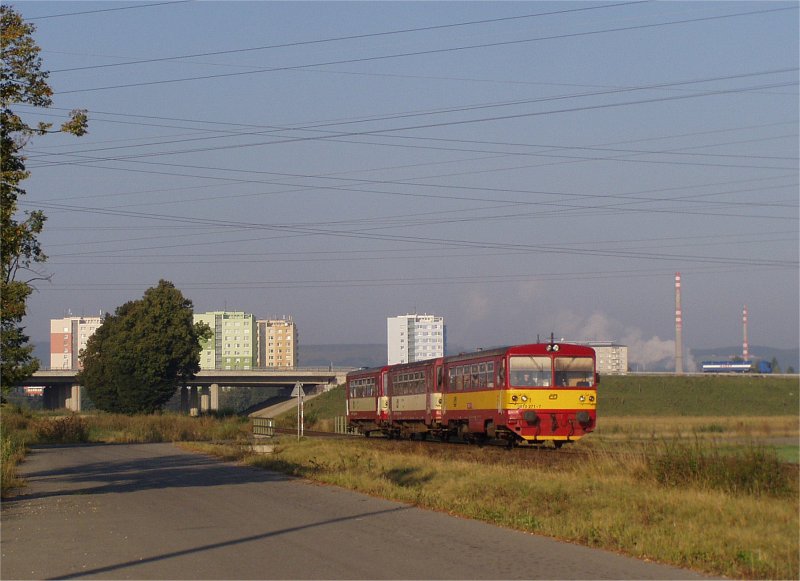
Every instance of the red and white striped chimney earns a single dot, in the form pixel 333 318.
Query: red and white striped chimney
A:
pixel 745 345
pixel 678 326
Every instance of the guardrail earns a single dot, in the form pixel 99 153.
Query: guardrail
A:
pixel 263 426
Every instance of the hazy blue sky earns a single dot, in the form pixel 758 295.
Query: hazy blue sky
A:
pixel 516 167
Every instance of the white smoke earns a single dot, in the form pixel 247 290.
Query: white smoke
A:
pixel 643 352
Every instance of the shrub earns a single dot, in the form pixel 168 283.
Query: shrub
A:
pixel 70 429
pixel 752 470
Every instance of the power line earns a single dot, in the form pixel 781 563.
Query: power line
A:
pixel 350 37
pixel 427 52
pixel 439 124
pixel 460 109
pixel 108 10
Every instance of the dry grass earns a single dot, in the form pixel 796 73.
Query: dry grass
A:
pixel 601 497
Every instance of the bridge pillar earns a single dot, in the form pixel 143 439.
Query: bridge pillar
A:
pixel 214 397
pixel 184 399
pixel 205 400
pixel 193 403
pixel 72 398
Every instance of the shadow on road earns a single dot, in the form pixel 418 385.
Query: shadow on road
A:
pixel 211 546
pixel 166 471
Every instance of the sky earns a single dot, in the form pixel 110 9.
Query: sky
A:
pixel 519 168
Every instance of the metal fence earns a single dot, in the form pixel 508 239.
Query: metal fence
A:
pixel 263 426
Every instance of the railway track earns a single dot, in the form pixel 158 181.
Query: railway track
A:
pixel 489 452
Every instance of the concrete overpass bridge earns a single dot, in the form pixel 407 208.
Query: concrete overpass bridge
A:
pixel 61 389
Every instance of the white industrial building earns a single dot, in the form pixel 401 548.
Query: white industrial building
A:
pixel 612 358
pixel 414 338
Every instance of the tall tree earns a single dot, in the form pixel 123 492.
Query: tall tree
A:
pixel 140 355
pixel 22 81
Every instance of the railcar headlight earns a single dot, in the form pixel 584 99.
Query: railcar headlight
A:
pixel 582 398
pixel 513 398
pixel 524 398
pixel 591 398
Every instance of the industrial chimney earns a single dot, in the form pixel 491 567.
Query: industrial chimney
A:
pixel 745 345
pixel 678 326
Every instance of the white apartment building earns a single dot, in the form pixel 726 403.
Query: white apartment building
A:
pixel 414 338
pixel 68 337
pixel 277 343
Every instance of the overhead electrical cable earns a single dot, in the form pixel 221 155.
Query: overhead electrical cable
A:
pixel 134 7
pixel 419 240
pixel 426 52
pixel 350 37
pixel 461 109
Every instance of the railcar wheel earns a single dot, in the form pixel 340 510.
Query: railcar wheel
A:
pixel 557 444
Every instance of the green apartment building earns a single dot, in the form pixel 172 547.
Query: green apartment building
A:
pixel 234 342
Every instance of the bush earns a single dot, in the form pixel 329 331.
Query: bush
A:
pixel 70 429
pixel 752 470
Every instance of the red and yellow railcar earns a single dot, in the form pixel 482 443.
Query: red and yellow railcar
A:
pixel 415 398
pixel 366 400
pixel 542 392
pixel 525 393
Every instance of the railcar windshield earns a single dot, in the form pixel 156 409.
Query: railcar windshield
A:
pixel 530 371
pixel 574 371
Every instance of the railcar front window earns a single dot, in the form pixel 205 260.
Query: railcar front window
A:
pixel 530 371
pixel 574 371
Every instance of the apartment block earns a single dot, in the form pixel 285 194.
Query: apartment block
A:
pixel 414 338
pixel 68 337
pixel 612 358
pixel 234 341
pixel 277 343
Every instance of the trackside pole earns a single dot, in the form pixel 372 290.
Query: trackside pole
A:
pixel 298 390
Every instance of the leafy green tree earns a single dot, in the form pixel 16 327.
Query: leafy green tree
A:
pixel 142 353
pixel 22 81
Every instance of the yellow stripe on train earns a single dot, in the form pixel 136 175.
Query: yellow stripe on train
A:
pixel 523 399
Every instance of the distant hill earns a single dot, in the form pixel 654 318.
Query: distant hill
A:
pixel 344 355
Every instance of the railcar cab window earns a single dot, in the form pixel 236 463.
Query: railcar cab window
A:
pixel 530 371
pixel 574 371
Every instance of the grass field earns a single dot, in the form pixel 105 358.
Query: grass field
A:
pixel 698 395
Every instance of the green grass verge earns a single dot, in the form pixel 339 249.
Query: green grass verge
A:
pixel 703 395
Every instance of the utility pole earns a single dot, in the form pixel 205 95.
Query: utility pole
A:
pixel 678 326
pixel 298 389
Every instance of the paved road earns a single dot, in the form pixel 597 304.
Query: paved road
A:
pixel 152 511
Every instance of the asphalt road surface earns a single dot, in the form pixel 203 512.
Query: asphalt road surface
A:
pixel 153 511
